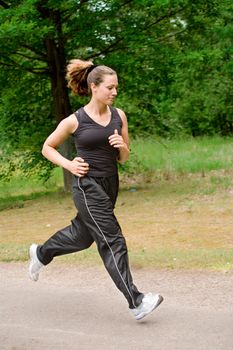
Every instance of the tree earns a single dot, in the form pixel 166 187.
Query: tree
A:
pixel 201 93
pixel 141 39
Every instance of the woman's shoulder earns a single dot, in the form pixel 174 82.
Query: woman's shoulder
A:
pixel 122 115
pixel 119 112
pixel 70 123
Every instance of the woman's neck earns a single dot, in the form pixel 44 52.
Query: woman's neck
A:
pixel 96 108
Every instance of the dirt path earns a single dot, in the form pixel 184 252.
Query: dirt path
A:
pixel 76 309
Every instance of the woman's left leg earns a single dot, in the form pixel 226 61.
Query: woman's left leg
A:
pixel 96 210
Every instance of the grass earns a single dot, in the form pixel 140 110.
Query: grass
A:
pixel 176 215
pixel 172 224
pixel 184 156
pixel 13 194
pixel 152 159
pixel 199 259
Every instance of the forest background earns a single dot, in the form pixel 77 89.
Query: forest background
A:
pixel 173 58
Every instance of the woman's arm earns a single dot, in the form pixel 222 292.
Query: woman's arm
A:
pixel 121 141
pixel 66 127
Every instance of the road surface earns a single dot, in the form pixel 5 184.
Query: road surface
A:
pixel 73 308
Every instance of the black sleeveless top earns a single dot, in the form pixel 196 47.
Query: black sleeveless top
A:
pixel 92 144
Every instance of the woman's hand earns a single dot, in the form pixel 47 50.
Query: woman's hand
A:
pixel 116 140
pixel 78 167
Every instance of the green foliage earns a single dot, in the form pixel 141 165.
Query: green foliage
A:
pixel 26 119
pixel 174 60
pixel 27 164
pixel 201 94
pixel 178 80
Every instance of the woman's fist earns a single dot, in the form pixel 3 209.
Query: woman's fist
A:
pixel 116 140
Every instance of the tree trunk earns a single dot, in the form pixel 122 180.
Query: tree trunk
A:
pixel 56 61
pixel 61 102
pixel 67 150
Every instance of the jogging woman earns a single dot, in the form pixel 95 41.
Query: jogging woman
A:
pixel 101 138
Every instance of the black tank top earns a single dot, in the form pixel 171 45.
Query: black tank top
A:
pixel 91 141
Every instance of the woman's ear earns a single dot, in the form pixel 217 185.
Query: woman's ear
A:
pixel 93 87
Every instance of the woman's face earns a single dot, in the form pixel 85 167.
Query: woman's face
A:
pixel 106 91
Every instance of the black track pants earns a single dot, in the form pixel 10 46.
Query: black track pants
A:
pixel 95 199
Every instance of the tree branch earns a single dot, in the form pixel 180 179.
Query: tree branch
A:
pixel 83 2
pixel 5 5
pixel 70 13
pixel 125 3
pixel 14 64
pixel 170 35
pixel 168 15
pixel 6 64
pixel 32 49
pixel 29 57
pixel 112 46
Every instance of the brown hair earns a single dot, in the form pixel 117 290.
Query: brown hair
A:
pixel 80 75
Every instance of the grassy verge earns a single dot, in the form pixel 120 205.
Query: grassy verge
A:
pixel 175 208
pixel 178 224
pixel 192 155
pixel 13 194
pixel 174 259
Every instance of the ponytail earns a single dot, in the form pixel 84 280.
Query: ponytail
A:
pixel 77 71
pixel 80 75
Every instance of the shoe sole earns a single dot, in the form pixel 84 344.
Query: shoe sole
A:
pixel 159 301
pixel 33 276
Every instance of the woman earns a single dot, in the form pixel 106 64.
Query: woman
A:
pixel 101 137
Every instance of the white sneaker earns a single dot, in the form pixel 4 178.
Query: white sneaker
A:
pixel 149 302
pixel 35 264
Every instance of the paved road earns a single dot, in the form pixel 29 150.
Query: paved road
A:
pixel 73 308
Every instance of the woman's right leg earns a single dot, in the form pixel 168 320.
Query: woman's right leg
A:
pixel 70 239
